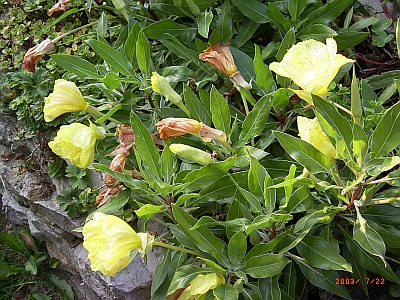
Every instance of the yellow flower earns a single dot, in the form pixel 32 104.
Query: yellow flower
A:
pixel 200 285
pixel 161 86
pixel 66 97
pixel 191 154
pixel 109 241
pixel 311 65
pixel 311 132
pixel 172 127
pixel 76 142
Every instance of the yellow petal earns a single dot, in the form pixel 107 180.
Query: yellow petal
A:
pixel 311 132
pixel 161 86
pixel 203 283
pixel 75 142
pixel 311 65
pixel 66 97
pixel 109 241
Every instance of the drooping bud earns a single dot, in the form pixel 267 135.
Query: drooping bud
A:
pixel 173 127
pixel 60 6
pixel 34 54
pixel 161 86
pixel 207 134
pixel 220 57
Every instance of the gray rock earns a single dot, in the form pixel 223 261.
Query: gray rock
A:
pixel 28 198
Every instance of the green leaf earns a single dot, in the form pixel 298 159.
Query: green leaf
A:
pixel 253 9
pixel 196 107
pixel 30 265
pixel 360 145
pixel 148 210
pixel 130 45
pixel 287 42
pixel 269 287
pixel 226 292
pixel 208 174
pixel 319 279
pixel 317 32
pixel 168 164
pixel 255 121
pixel 143 55
pixel 62 286
pixel 113 205
pixel 385 137
pixel 265 265
pixel 145 146
pixel 320 254
pixel 203 23
pixel 202 236
pixel 368 238
pixel 247 29
pixel 220 111
pixel 14 243
pixel 112 57
pixel 164 28
pixel 340 125
pixel 256 179
pixel 102 25
pixel 369 261
pixel 280 98
pixel 7 270
pixel 264 78
pixel 183 276
pixel 245 153
pixel 224 23
pixel 296 7
pixel 278 18
pixel 290 280
pixel 382 80
pixel 237 248
pixel 327 13
pixel 348 39
pixel 185 53
pixel 76 65
pixel 390 234
pixel 304 153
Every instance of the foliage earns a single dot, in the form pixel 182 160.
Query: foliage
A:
pixel 272 213
pixel 25 269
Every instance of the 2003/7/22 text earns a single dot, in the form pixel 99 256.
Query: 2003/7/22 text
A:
pixel 351 280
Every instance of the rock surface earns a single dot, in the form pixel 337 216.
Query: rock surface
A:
pixel 28 198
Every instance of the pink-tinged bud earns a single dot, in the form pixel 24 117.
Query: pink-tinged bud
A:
pixel 207 134
pixel 220 57
pixel 60 6
pixel 126 135
pixel 172 127
pixel 34 54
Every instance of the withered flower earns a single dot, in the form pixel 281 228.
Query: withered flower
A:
pixel 207 134
pixel 173 127
pixel 220 57
pixel 60 6
pixel 106 194
pixel 125 134
pixel 34 54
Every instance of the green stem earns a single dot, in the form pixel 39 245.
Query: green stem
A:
pixel 172 247
pixel 385 201
pixel 72 31
pixel 95 113
pixel 228 146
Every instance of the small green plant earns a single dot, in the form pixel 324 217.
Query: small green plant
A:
pixel 24 269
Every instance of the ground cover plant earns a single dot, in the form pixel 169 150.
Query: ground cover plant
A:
pixel 256 132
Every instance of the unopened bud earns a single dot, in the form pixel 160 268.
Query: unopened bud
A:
pixel 191 154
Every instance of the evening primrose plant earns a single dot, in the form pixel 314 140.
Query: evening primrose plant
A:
pixel 265 187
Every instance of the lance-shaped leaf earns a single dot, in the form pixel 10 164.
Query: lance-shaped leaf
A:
pixel 304 153
pixel 320 254
pixel 265 265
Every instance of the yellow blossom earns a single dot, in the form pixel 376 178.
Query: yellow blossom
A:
pixel 311 132
pixel 66 97
pixel 76 142
pixel 109 241
pixel 311 65
pixel 192 154
pixel 200 285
